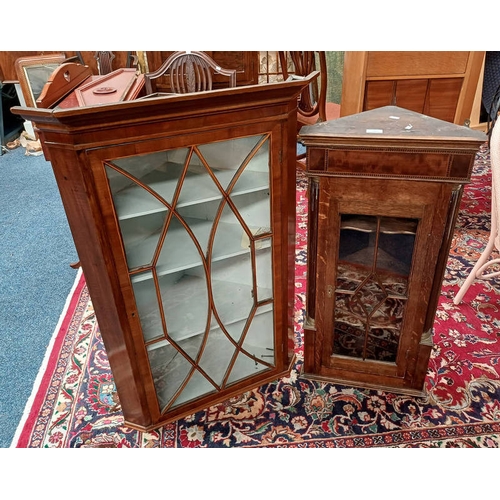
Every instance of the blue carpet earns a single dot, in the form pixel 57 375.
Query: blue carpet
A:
pixel 36 249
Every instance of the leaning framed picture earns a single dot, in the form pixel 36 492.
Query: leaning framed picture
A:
pixel 33 73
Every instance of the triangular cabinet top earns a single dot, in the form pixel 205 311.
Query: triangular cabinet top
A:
pixel 390 126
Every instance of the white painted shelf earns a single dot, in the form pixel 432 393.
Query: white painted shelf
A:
pixel 185 305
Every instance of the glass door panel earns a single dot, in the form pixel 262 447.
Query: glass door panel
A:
pixel 145 184
pixel 197 386
pixel 230 236
pixel 232 291
pixel 198 185
pixel 141 237
pixel 374 262
pixel 233 154
pixel 148 307
pixel 170 369
pixel 259 339
pixel 254 209
pixel 264 269
pixel 196 228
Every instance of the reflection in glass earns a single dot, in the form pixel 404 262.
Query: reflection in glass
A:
pixel 375 257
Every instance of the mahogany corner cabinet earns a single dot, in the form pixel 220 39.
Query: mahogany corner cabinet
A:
pixel 384 192
pixel 182 209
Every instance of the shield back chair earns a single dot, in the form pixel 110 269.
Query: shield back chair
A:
pixel 104 60
pixel 484 262
pixel 188 72
pixel 312 106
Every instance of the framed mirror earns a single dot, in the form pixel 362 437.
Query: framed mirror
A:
pixel 33 72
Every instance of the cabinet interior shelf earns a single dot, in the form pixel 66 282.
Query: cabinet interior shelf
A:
pixel 188 299
pixel 388 225
pixel 134 201
pixel 179 252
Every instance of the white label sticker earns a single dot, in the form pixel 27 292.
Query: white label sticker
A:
pixel 374 131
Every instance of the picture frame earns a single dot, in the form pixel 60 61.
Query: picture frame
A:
pixel 33 73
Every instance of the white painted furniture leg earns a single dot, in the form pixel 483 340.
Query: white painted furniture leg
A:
pixel 494 241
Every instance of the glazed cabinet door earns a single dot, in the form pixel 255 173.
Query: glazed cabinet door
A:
pixel 377 245
pixel 198 256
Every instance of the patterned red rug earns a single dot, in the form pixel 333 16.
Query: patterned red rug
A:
pixel 74 403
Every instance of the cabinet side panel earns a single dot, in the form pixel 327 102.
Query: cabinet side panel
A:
pixel 312 253
pixel 451 217
pixel 84 217
pixel 284 210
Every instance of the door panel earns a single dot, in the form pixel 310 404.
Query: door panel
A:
pixel 376 276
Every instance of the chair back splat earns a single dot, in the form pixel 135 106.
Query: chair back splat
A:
pixel 104 60
pixel 312 105
pixel 188 72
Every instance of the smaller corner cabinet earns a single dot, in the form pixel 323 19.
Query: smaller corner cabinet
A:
pixel 384 192
pixel 182 209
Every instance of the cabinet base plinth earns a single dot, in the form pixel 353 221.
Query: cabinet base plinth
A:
pixel 184 412
pixel 408 391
